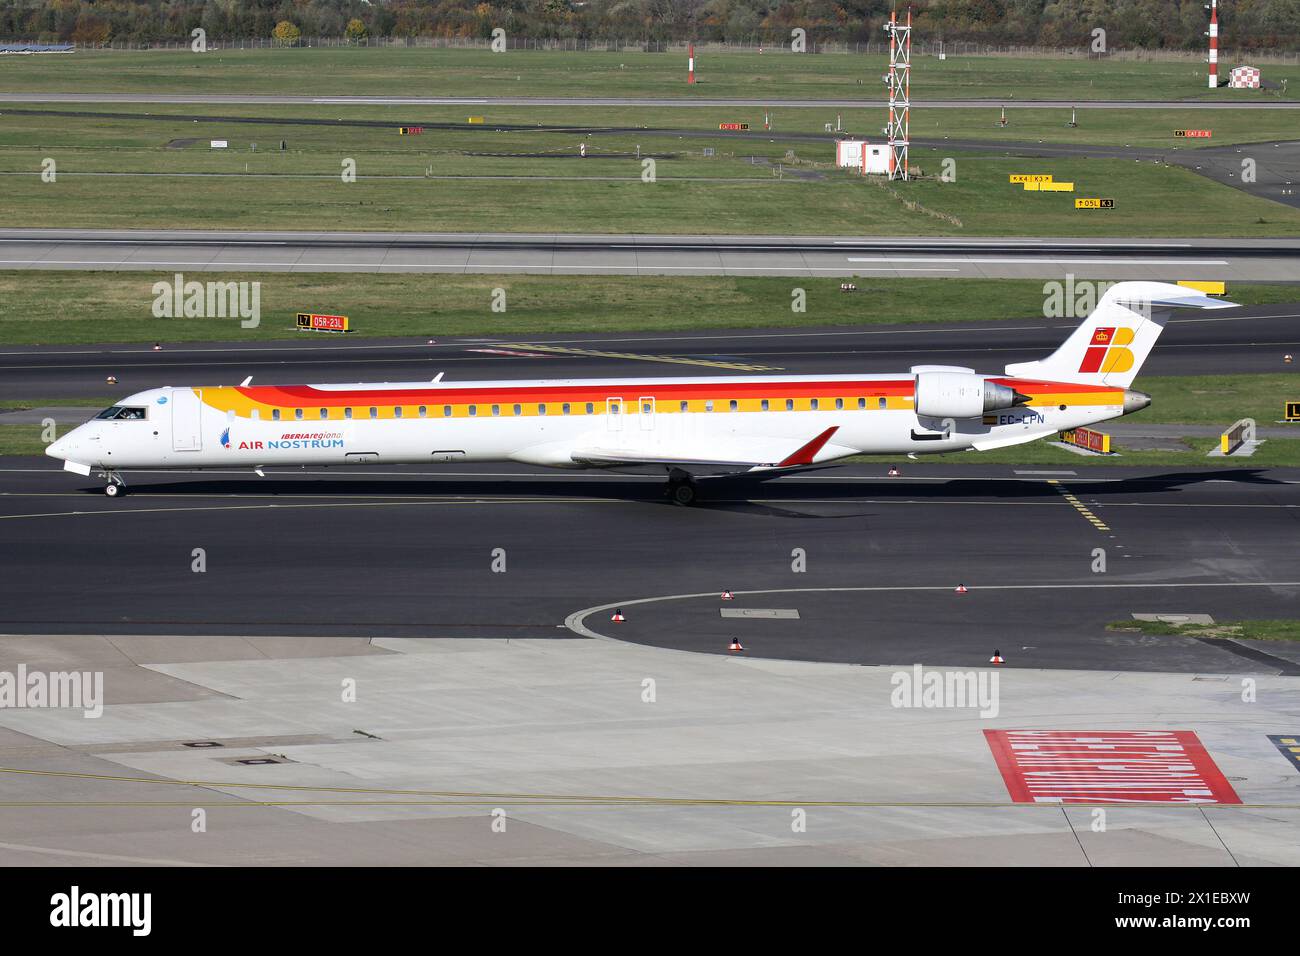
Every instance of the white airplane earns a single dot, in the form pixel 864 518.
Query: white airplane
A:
pixel 766 423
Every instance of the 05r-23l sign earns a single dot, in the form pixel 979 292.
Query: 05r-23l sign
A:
pixel 322 323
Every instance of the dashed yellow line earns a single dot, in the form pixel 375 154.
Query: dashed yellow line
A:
pixel 641 357
pixel 1079 506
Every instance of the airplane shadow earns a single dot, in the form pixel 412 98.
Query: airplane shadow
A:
pixel 721 493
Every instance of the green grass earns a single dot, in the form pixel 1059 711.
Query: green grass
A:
pixel 1219 399
pixel 692 195
pixel 775 74
pixel 25 439
pixel 118 173
pixel 53 307
pixel 140 126
pixel 1283 630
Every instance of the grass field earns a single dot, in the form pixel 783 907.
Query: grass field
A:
pixel 127 170
pixel 1283 630
pixel 316 127
pixel 91 307
pixel 690 195
pixel 473 73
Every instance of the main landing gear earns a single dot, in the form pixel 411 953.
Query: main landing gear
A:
pixel 116 486
pixel 681 488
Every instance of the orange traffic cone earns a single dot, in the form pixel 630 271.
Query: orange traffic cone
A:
pixel 962 589
pixel 728 596
pixel 893 471
pixel 618 617
pixel 735 645
pixel 996 658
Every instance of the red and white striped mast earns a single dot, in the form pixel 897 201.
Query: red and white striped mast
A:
pixel 1214 44
pixel 690 63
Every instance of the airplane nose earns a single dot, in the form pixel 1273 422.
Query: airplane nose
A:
pixel 59 448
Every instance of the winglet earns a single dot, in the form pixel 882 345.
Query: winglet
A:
pixel 806 454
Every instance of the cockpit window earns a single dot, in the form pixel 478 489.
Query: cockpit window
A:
pixel 123 413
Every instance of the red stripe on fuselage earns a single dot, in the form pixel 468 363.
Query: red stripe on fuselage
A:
pixel 306 395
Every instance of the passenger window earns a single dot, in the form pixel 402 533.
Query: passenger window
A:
pixel 813 404
pixel 347 413
pixel 324 413
pixel 789 404
pixel 446 411
pixel 424 410
pixel 591 408
pixel 519 409
pixel 564 409
pixel 496 409
pixel 275 414
pixel 255 414
pixel 708 404
pixel 839 403
pixel 881 402
pixel 374 412
pixel 862 403
pixel 734 405
pixel 685 405
pixel 541 409
pixel 397 412
pixel 765 404
pixel 473 410
pixel 297 413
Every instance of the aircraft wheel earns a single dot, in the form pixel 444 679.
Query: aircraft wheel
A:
pixel 112 489
pixel 682 493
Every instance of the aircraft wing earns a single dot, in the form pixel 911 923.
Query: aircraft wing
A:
pixel 752 454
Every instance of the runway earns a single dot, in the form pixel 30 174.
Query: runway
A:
pixel 409 552
pixel 573 254
pixel 617 101
pixel 1237 341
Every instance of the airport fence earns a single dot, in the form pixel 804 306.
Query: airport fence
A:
pixel 755 45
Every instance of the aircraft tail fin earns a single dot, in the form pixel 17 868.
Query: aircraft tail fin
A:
pixel 1110 345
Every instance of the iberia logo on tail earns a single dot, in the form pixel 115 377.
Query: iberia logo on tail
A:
pixel 1106 351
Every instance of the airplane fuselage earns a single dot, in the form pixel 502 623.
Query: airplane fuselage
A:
pixel 752 422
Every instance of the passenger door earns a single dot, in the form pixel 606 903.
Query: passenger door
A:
pixel 187 420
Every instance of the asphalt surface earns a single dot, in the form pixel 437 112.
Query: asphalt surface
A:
pixel 408 553
pixel 858 102
pixel 572 254
pixel 1246 340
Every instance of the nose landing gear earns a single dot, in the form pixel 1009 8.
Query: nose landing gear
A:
pixel 115 486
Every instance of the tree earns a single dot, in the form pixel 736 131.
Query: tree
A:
pixel 90 29
pixel 285 33
pixel 356 30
